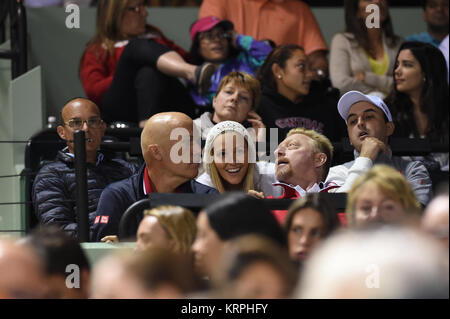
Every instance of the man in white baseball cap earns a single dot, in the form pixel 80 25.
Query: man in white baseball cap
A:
pixel 369 125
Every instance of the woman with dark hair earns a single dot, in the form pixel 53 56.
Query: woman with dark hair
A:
pixel 235 215
pixel 129 68
pixel 419 100
pixel 289 99
pixel 309 221
pixel 362 58
pixel 215 41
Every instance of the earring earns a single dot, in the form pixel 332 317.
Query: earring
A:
pixel 279 76
pixel 424 79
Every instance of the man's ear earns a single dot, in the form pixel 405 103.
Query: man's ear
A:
pixel 320 159
pixel 155 152
pixel 390 126
pixel 61 132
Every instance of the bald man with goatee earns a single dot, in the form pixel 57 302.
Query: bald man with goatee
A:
pixel 172 160
pixel 54 186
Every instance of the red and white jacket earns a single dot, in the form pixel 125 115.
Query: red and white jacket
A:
pixel 295 191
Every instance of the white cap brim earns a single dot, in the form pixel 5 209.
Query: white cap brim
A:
pixel 352 97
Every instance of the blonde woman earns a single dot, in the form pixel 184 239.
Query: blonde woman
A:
pixel 229 161
pixel 381 195
pixel 170 227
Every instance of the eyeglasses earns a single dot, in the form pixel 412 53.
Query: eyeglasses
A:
pixel 138 9
pixel 211 35
pixel 77 124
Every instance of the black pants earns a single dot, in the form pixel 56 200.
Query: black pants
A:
pixel 139 90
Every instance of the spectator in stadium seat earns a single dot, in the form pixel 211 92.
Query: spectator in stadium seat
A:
pixel 255 267
pixel 382 195
pixel 290 99
pixel 162 173
pixel 236 100
pixel 309 221
pixel 214 40
pixel 54 187
pixel 21 272
pixel 435 15
pixel 302 163
pixel 171 227
pixel 235 215
pixel 419 99
pixel 363 58
pixel 62 256
pixel 129 68
pixel 229 160
pixel 369 126
pixel 281 21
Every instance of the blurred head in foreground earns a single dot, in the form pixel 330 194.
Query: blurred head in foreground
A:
pixel 255 267
pixel 387 262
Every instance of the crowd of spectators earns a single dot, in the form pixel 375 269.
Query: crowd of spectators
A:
pixel 253 66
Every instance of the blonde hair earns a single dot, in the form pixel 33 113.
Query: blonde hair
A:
pixel 179 224
pixel 218 181
pixel 388 181
pixel 321 144
pixel 244 80
pixel 208 158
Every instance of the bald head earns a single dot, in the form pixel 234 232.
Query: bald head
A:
pixel 158 128
pixel 87 113
pixel 171 162
pixel 76 105
pixel 21 274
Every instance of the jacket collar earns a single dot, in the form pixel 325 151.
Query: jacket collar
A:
pixel 65 156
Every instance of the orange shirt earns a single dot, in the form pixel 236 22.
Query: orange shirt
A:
pixel 289 21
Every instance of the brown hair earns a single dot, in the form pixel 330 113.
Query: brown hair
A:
pixel 244 80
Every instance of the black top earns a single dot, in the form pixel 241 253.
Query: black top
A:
pixel 316 112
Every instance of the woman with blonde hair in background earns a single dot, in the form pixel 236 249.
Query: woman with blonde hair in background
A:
pixel 171 227
pixel 382 195
pixel 168 226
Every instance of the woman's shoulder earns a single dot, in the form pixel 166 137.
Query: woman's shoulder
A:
pixel 344 36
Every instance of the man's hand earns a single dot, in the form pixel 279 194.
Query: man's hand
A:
pixel 110 239
pixel 259 195
pixel 371 147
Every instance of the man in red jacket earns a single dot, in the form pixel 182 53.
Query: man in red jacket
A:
pixel 302 163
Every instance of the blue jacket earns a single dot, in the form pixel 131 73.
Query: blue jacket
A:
pixel 54 187
pixel 117 197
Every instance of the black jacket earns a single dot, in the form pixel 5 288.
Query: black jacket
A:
pixel 55 184
pixel 119 196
